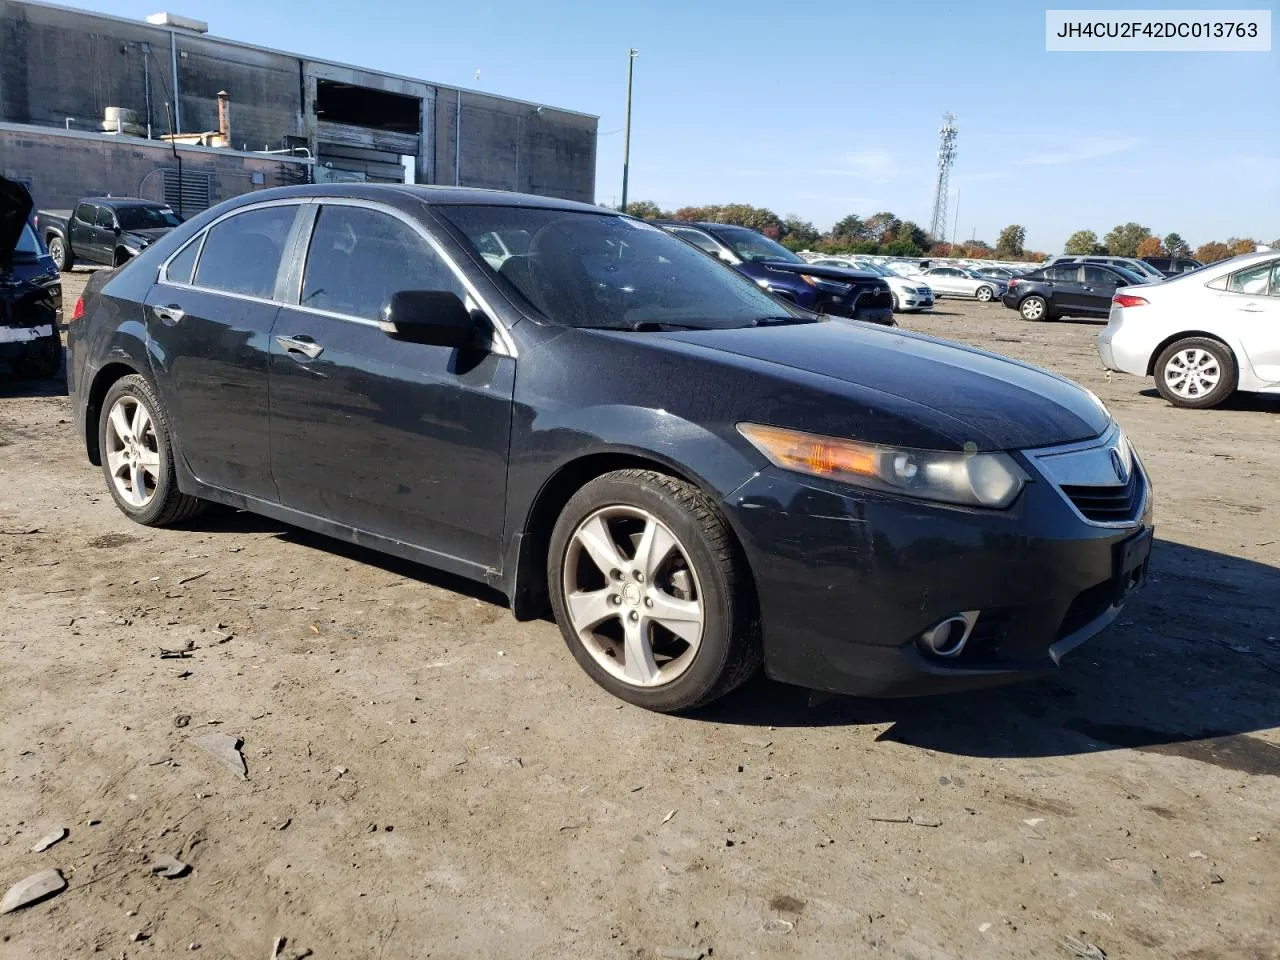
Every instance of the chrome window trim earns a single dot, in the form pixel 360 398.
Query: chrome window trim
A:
pixel 1104 440
pixel 503 344
pixel 203 235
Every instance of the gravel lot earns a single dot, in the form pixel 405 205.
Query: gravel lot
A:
pixel 428 778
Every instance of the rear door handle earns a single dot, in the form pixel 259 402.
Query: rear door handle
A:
pixel 1251 308
pixel 170 314
pixel 303 345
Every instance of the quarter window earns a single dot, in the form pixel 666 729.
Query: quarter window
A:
pixel 242 254
pixel 358 258
pixel 1253 281
pixel 180 267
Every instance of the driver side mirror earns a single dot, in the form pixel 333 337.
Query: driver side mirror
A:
pixel 434 317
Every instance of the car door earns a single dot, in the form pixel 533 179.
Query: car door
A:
pixel 947 280
pixel 1097 287
pixel 81 230
pixel 1066 287
pixel 209 320
pixel 404 440
pixel 1252 302
pixel 104 235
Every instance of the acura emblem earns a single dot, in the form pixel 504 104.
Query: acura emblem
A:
pixel 1117 462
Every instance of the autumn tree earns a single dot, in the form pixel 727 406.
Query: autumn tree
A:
pixel 940 249
pixel 739 214
pixel 1238 245
pixel 1035 256
pixel 913 234
pixel 849 228
pixel 1011 241
pixel 797 231
pixel 645 209
pixel 1123 240
pixel 1150 247
pixel 1212 252
pixel 1083 242
pixel 882 227
pixel 1176 246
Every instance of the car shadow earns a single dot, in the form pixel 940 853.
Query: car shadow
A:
pixel 1189 668
pixel 1245 402
pixel 228 520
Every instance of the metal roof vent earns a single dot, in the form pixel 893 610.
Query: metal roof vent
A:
pixel 177 22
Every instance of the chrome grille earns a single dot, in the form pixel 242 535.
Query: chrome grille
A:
pixel 1115 504
pixel 1101 478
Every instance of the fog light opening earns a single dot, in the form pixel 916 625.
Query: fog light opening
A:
pixel 948 637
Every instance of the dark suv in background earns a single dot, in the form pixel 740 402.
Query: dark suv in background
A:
pixel 1172 266
pixel 1067 290
pixel 839 291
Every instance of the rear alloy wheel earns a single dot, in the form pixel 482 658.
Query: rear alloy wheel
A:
pixel 1196 373
pixel 137 456
pixel 650 591
pixel 58 251
pixel 984 294
pixel 1033 308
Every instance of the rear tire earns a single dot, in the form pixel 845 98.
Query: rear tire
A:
pixel 1034 308
pixel 984 294
pixel 694 578
pixel 137 456
pixel 61 255
pixel 1196 373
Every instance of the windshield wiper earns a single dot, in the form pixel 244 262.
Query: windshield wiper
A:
pixel 659 326
pixel 780 321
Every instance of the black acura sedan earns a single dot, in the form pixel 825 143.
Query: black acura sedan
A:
pixel 590 415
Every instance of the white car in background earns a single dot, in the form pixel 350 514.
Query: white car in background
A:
pixel 1204 334
pixel 909 294
pixel 959 282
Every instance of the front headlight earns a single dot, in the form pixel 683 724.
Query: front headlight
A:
pixel 968 479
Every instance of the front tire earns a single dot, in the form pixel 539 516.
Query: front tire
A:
pixel 984 294
pixel 1196 373
pixel 137 456
pixel 62 258
pixel 1034 308
pixel 651 592
pixel 897 307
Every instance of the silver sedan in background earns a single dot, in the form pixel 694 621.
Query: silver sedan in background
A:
pixel 959 282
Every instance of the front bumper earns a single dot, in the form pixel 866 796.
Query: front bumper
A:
pixel 848 580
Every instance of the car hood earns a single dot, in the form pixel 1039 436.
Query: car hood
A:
pixel 15 209
pixel 150 236
pixel 965 395
pixel 848 275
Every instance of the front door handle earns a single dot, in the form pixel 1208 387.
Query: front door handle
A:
pixel 301 345
pixel 170 314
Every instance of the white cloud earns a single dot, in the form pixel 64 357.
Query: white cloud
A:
pixel 1079 149
pixel 874 165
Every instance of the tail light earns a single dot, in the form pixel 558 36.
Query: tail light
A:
pixel 1128 300
pixel 1013 282
pixel 78 312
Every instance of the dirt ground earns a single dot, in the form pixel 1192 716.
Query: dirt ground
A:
pixel 428 778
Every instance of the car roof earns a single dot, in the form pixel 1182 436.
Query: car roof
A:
pixel 123 202
pixel 430 195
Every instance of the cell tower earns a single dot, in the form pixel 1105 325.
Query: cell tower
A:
pixel 946 157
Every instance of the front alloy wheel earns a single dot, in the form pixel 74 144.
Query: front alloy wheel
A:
pixel 651 593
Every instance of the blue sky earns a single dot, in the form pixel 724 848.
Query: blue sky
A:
pixel 834 107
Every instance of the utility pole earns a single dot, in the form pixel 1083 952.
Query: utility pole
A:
pixel 946 157
pixel 632 53
pixel 956 222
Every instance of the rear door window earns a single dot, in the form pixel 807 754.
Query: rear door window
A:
pixel 1098 277
pixel 106 219
pixel 242 254
pixel 86 213
pixel 1253 281
pixel 359 257
pixel 1065 273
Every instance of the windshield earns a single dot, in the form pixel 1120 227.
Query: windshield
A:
pixel 875 268
pixel 146 218
pixel 28 245
pixel 750 245
pixel 583 269
pixel 1142 268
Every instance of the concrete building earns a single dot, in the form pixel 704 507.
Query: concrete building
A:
pixel 88 103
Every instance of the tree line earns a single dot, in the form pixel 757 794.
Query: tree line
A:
pixel 1135 240
pixel 884 233
pixel 880 233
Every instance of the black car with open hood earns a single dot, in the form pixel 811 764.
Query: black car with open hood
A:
pixel 30 291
